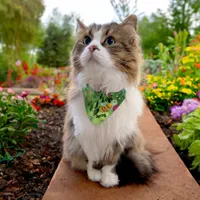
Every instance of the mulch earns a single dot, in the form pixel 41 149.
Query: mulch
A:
pixel 28 176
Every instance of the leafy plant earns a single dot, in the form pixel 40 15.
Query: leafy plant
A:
pixel 170 55
pixel 17 118
pixel 189 138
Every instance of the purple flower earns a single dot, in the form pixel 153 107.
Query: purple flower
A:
pixel 115 107
pixel 176 112
pixel 24 94
pixel 188 106
pixel 30 78
pixel 191 105
pixel 42 97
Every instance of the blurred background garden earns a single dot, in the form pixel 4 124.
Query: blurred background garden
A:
pixel 36 37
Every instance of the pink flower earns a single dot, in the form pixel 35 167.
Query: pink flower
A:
pixel 154 85
pixel 18 63
pixel 19 97
pixel 10 91
pixel 1 89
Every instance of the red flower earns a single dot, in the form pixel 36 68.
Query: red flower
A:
pixel 47 100
pixel 35 106
pixel 25 67
pixel 184 70
pixel 35 100
pixel 57 81
pixel 57 102
pixel 34 71
pixel 197 65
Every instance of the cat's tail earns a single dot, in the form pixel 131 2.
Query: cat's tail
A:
pixel 135 167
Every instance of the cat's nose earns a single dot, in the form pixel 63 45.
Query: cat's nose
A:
pixel 92 48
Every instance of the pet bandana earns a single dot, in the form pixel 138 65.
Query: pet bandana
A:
pixel 99 106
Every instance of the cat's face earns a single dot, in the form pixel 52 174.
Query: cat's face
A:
pixel 108 49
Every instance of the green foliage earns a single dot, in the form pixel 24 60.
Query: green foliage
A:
pixel 55 50
pixel 183 14
pixel 167 58
pixel 152 31
pixel 17 118
pixel 189 138
pixel 171 55
pixel 19 27
pixel 3 68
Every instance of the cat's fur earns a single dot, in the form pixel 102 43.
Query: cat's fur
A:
pixel 113 152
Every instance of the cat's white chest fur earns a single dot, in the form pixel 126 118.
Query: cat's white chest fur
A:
pixel 94 139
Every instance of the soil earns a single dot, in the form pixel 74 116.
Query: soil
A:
pixel 165 122
pixel 28 176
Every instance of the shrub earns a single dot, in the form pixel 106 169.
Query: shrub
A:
pixel 189 138
pixel 17 118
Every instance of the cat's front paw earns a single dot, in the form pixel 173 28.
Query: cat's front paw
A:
pixel 109 180
pixel 94 175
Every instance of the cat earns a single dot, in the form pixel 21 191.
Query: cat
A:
pixel 107 58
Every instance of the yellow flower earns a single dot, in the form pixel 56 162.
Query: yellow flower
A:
pixel 172 88
pixel 186 91
pixel 187 59
pixel 189 83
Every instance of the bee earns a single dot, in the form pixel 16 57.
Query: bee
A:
pixel 106 108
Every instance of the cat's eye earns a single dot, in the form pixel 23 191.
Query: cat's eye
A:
pixel 87 40
pixel 110 41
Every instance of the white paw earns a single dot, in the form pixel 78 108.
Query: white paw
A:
pixel 94 175
pixel 109 180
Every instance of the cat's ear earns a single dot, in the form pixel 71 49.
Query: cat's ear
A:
pixel 131 20
pixel 80 25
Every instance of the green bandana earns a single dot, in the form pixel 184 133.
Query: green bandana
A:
pixel 99 106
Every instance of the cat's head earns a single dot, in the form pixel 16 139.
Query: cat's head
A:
pixel 107 53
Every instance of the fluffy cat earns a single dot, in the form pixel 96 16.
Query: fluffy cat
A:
pixel 107 58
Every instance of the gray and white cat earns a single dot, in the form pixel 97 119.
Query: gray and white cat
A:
pixel 108 58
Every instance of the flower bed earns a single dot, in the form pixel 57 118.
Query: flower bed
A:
pixel 28 175
pixel 174 97
pixel 25 76
pixel 28 156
